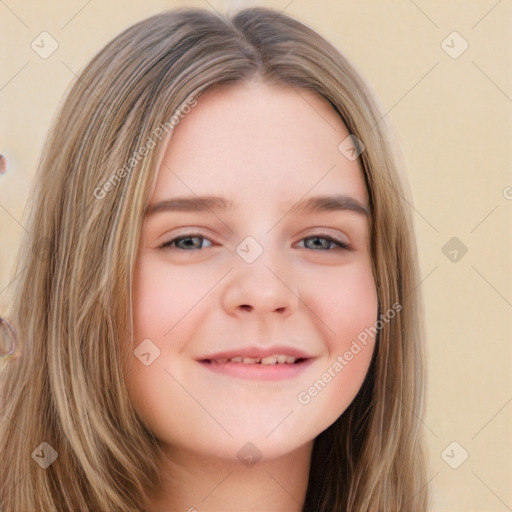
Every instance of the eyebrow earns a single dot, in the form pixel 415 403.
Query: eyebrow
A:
pixel 317 204
pixel 190 204
pixel 339 202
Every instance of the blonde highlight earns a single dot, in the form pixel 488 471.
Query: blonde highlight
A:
pixel 72 304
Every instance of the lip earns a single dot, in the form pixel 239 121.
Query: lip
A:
pixel 256 351
pixel 258 371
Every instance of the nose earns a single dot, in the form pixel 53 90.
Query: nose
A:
pixel 261 287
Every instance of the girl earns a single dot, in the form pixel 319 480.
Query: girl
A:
pixel 218 306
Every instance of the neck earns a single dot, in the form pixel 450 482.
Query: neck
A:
pixel 198 483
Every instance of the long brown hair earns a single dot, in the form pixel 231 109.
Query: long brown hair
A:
pixel 72 302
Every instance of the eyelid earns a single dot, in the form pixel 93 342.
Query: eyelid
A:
pixel 167 243
pixel 324 232
pixel 340 243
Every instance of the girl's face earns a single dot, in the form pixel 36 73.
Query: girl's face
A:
pixel 255 244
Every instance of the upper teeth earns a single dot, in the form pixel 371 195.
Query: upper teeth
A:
pixel 277 358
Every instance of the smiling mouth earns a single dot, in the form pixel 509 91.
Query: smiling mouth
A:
pixel 276 359
pixel 265 367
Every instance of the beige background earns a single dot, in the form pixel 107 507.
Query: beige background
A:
pixel 453 116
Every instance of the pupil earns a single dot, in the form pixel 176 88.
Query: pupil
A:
pixel 320 242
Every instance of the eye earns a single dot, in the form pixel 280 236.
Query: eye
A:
pixel 195 242
pixel 323 243
pixel 187 242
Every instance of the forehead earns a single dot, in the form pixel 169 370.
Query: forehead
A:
pixel 259 140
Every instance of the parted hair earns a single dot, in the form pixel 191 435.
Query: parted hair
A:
pixel 72 300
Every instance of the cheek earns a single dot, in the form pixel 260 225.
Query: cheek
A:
pixel 167 310
pixel 163 296
pixel 345 303
pixel 346 306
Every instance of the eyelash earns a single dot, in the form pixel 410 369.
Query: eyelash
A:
pixel 171 243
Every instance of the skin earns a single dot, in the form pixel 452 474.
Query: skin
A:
pixel 265 148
